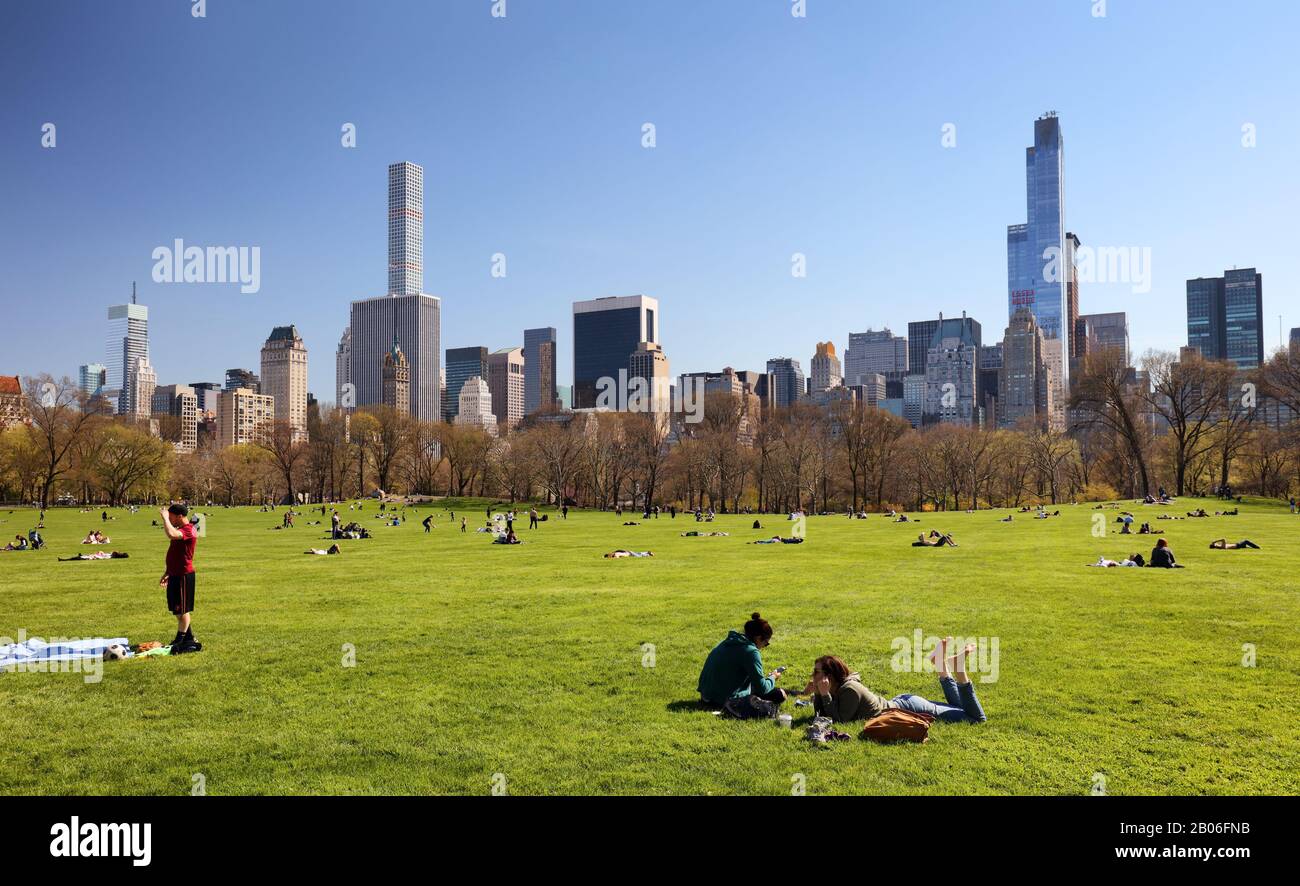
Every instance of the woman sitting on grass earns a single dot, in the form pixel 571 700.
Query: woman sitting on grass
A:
pixel 1224 545
pixel 839 694
pixel 734 668
pixel 936 539
pixel 1162 556
pixel 509 538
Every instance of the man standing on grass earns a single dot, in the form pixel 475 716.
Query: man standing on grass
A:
pixel 179 577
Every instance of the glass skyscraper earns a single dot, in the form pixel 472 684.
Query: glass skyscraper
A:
pixel 1038 263
pixel 605 333
pixel 539 368
pixel 462 365
pixel 1225 317
pixel 128 340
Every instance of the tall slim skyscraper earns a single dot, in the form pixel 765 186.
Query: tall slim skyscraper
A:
pixel 397 380
pixel 649 363
pixel 1023 383
pixel 539 369
pixel 605 332
pixel 462 365
pixel 1039 260
pixel 405 229
pixel 343 367
pixel 826 373
pixel 919 336
pixel 284 377
pixel 1225 317
pixel 406 313
pixel 128 340
pixel 505 380
pixel 137 396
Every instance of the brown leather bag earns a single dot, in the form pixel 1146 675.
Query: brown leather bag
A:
pixel 896 725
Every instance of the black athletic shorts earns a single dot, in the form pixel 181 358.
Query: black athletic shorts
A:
pixel 180 593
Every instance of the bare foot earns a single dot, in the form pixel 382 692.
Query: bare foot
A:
pixel 939 658
pixel 959 662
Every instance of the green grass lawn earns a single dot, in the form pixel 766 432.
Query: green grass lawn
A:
pixel 475 659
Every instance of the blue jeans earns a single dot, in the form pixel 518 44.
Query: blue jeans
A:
pixel 961 703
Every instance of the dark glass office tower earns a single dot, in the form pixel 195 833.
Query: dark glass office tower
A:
pixel 785 381
pixel 1225 317
pixel 919 335
pixel 462 365
pixel 1039 260
pixel 605 332
pixel 1243 318
pixel 539 369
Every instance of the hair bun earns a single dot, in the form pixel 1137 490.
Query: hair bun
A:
pixel 756 616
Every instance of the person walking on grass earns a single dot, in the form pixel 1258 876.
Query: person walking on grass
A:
pixel 179 577
pixel 462 524
pixel 427 523
pixel 532 518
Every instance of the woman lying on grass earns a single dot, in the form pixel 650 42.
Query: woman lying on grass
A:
pixel 1224 545
pixel 620 554
pixel 776 539
pixel 936 539
pixel 734 668
pixel 839 693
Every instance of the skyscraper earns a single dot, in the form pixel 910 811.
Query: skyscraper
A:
pixel 951 372
pixel 405 312
pixel 180 402
pixel 873 352
pixel 137 396
pixel 785 381
pixel 474 406
pixel 91 378
pixel 397 380
pixel 242 378
pixel 128 339
pixel 650 364
pixel 462 365
pixel 1106 331
pixel 284 377
pixel 539 369
pixel 1023 383
pixel 1039 259
pixel 1225 317
pixel 826 373
pixel 405 229
pixel 505 379
pixel 919 335
pixel 605 332
pixel 343 367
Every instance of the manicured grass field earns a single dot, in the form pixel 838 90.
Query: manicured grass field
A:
pixel 474 659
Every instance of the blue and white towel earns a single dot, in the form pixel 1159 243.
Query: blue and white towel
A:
pixel 34 650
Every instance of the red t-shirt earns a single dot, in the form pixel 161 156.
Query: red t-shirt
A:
pixel 180 553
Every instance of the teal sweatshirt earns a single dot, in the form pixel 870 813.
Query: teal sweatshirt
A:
pixel 733 669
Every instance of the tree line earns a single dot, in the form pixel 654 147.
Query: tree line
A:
pixel 1190 426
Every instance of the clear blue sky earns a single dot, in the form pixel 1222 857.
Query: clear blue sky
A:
pixel 775 135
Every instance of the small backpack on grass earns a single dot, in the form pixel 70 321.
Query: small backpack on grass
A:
pixel 896 725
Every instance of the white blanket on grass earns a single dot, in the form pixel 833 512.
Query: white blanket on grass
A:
pixel 35 649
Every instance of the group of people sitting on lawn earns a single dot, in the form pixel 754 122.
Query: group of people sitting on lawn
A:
pixel 95 537
pixel 734 669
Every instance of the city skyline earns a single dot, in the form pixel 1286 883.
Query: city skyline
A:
pixel 315 266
